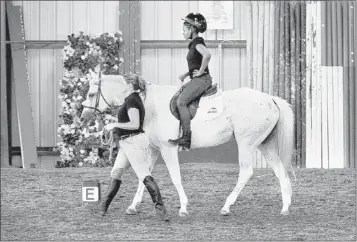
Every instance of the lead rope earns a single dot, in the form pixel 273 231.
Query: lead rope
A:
pixel 110 142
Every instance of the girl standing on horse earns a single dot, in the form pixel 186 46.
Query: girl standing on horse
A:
pixel 134 146
pixel 198 58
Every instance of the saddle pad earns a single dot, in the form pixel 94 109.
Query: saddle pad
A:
pixel 210 107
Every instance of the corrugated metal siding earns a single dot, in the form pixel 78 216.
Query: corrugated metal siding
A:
pixel 289 59
pixel 260 51
pixel 331 91
pixel 161 20
pixel 339 49
pixel 49 20
pixel 232 68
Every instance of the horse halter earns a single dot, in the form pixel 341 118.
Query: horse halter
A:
pixel 98 95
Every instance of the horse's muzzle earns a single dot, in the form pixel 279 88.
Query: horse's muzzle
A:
pixel 86 113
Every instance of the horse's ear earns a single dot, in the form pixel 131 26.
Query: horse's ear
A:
pixel 94 79
pixel 92 89
pixel 97 69
pixel 97 73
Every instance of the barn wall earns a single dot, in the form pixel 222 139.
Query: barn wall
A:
pixel 290 65
pixel 54 20
pixel 330 88
pixel 331 75
pixel 161 20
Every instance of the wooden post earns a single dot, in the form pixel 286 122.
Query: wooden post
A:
pixel 354 160
pixel 308 80
pixel 276 48
pixel 131 37
pixel 137 37
pixel 352 84
pixel 129 22
pixel 302 69
pixel 345 82
pixel 124 17
pixel 5 151
pixel 23 100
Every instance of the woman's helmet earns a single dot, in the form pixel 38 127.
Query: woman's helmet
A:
pixel 197 20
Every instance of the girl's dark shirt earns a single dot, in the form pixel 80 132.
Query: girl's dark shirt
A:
pixel 194 58
pixel 131 101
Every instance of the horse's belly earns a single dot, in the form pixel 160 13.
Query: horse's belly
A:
pixel 211 133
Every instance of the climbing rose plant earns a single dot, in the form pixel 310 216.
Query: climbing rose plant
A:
pixel 79 142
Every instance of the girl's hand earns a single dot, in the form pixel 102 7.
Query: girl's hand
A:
pixel 197 73
pixel 109 127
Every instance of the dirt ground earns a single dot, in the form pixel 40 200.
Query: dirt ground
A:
pixel 47 205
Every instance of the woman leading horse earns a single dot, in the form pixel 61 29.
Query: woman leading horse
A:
pixel 134 146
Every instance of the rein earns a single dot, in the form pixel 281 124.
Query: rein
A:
pixel 99 94
pixel 110 140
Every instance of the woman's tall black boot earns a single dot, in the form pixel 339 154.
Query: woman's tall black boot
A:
pixel 112 190
pixel 154 191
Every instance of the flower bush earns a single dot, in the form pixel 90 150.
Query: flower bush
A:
pixel 80 143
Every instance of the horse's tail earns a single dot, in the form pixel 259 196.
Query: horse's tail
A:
pixel 284 132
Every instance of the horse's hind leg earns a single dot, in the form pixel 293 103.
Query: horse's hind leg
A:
pixel 152 158
pixel 245 173
pixel 271 156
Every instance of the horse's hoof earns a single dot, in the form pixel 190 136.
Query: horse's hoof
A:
pixel 285 213
pixel 183 213
pixel 225 212
pixel 131 211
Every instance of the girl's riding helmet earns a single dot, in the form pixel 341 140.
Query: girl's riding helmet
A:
pixel 197 20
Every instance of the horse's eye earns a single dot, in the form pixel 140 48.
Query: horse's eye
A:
pixel 91 94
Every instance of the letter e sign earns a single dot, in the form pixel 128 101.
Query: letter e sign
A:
pixel 90 191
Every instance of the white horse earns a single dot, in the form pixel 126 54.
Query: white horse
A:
pixel 255 119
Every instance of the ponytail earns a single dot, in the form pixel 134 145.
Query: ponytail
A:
pixel 137 81
pixel 141 84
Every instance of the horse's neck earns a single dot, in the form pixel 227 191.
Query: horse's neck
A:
pixel 156 98
pixel 149 98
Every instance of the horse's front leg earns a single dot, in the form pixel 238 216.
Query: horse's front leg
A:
pixel 152 158
pixel 170 156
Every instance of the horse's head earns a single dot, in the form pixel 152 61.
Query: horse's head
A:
pixel 104 91
pixel 107 90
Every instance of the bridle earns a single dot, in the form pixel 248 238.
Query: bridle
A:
pixel 98 95
pixel 110 140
